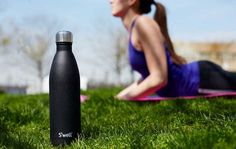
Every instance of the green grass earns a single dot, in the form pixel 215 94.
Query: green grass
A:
pixel 109 123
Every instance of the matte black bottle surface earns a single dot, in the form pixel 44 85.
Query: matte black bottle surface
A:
pixel 64 93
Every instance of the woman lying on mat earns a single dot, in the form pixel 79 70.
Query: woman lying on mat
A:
pixel 152 54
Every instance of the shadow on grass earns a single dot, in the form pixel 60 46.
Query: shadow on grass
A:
pixel 8 137
pixel 90 132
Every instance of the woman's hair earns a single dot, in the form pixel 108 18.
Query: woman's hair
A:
pixel 161 19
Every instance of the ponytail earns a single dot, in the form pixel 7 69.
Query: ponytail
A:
pixel 161 19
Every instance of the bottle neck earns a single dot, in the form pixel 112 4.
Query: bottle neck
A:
pixel 64 46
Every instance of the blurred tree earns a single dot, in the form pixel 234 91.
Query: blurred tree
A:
pixel 115 55
pixel 120 43
pixel 35 42
pixel 110 52
pixel 35 48
pixel 5 40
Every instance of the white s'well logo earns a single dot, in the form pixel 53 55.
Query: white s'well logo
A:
pixel 67 135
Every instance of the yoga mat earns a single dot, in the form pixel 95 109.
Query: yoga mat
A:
pixel 83 98
pixel 207 93
pixel 207 96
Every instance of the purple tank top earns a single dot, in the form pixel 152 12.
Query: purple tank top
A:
pixel 183 80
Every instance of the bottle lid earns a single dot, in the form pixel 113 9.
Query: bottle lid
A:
pixel 64 36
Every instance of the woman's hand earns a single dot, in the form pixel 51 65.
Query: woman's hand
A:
pixel 124 94
pixel 122 97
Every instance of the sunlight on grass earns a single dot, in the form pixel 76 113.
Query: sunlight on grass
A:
pixel 110 123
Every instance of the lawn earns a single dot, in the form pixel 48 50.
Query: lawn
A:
pixel 109 123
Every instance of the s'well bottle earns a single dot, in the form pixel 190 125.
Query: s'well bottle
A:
pixel 64 93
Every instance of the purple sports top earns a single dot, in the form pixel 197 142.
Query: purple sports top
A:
pixel 183 80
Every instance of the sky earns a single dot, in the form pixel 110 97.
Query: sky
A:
pixel 188 19
pixel 91 20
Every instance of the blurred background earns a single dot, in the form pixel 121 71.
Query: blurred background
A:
pixel 199 29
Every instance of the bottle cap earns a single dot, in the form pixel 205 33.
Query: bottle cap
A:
pixel 64 36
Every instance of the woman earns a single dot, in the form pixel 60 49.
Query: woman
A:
pixel 152 54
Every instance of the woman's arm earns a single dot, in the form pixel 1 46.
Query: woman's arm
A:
pixel 152 43
pixel 128 89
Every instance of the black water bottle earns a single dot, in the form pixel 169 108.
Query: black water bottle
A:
pixel 64 93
